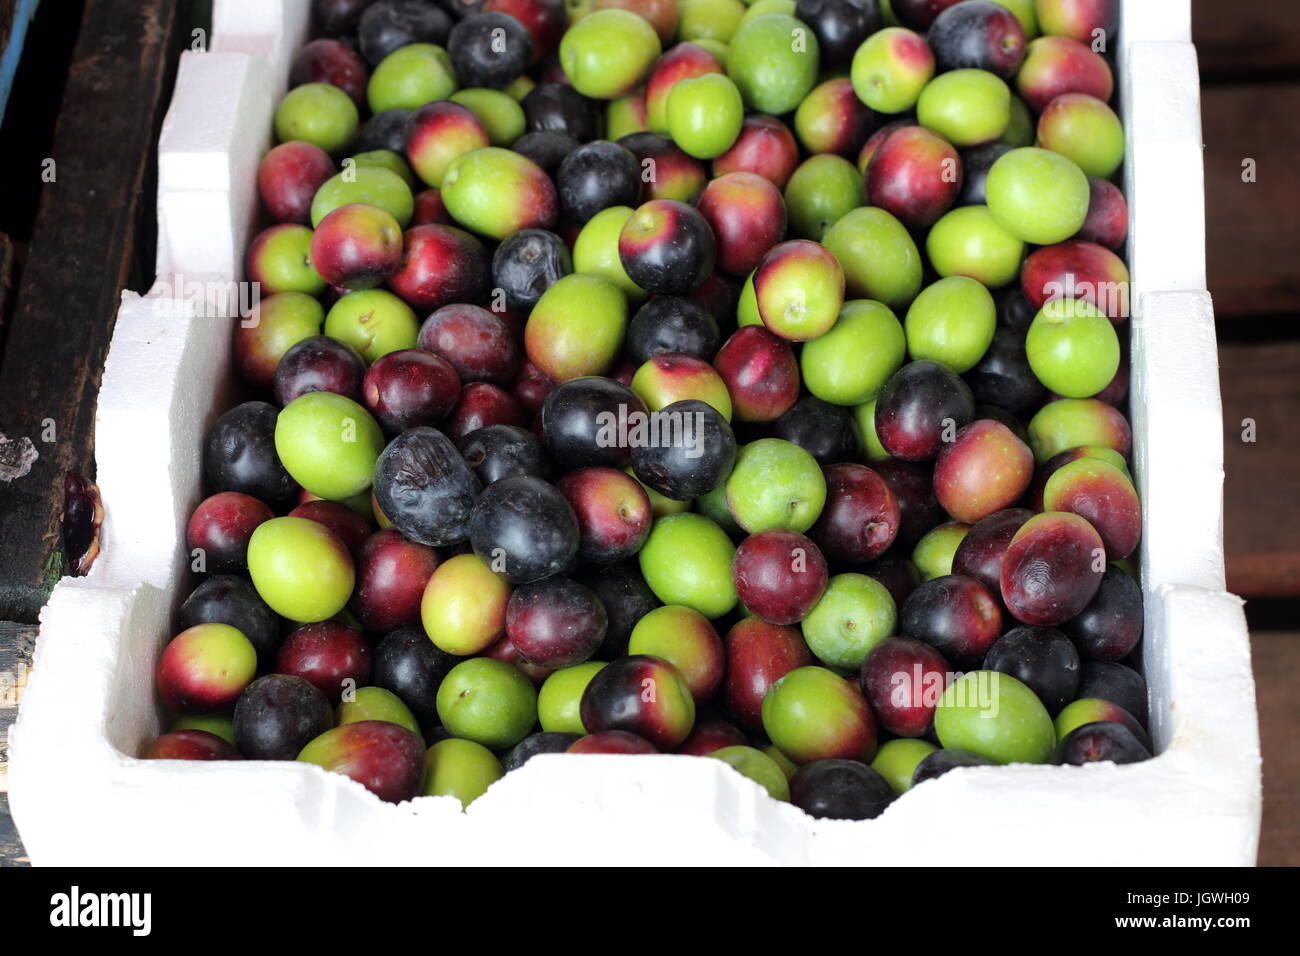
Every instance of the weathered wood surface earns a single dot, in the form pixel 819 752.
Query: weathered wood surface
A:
pixel 94 226
pixel 1235 40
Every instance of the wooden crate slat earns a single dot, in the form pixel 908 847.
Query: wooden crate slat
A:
pixel 91 225
pixel 1232 39
pixel 1253 252
pixel 1261 521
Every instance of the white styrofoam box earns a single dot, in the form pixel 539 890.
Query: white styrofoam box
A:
pixel 90 707
pixel 207 170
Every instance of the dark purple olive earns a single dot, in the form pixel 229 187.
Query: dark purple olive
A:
pixel 840 26
pixel 318 364
pixel 978 35
pixel 524 529
pixel 230 599
pixel 239 455
pixel 840 790
pixel 557 106
pixel 489 49
pixel 941 761
pixel 595 176
pixel 921 404
pixel 1117 683
pixel 823 430
pixel 626 598
pixel 499 451
pixel 547 742
pixel 1099 741
pixel 576 419
pixel 526 264
pixel 424 487
pixel 669 323
pixel 1003 378
pixel 279 714
pixel 1041 658
pixel 693 455
pixel 546 147
pixel 391 24
pixel 411 666
pixel 1111 625
pixel 975 164
pixel 387 130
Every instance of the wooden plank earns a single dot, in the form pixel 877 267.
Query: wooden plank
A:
pixel 1277 674
pixel 8 282
pixel 1261 400
pixel 92 226
pixel 1254 247
pixel 1235 39
pixel 17 644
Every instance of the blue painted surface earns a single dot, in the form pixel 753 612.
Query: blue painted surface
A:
pixel 13 50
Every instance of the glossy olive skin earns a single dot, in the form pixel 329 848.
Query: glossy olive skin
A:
pixel 902 679
pixel 670 323
pixel 410 665
pixel 1052 568
pixel 524 529
pixel 685 470
pixel 823 430
pixel 391 576
pixel 1118 683
pixel 956 615
pixel 979 35
pixel 559 107
pixel 391 24
pixel 980 553
pixel 489 49
pixel 779 575
pixel 239 455
pixel 573 417
pixel 481 404
pixel 499 451
pixel 913 486
pixel 1041 658
pixel 277 715
pixel 220 528
pixel 626 598
pixel 1003 378
pixel 840 26
pixel 1099 741
pixel 758 655
pixel 546 742
pixel 191 745
pixel 941 761
pixel 440 265
pixel 318 364
pixel 555 622
pixel 840 790
pixel 640 695
pixel 861 517
pixel 424 487
pixel 481 345
pixel 386 759
pixel 232 599
pixel 1110 626
pixel 667 247
pixel 595 176
pixel 409 388
pixel 917 405
pixel 330 656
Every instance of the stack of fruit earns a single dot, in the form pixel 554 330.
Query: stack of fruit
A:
pixel 671 376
